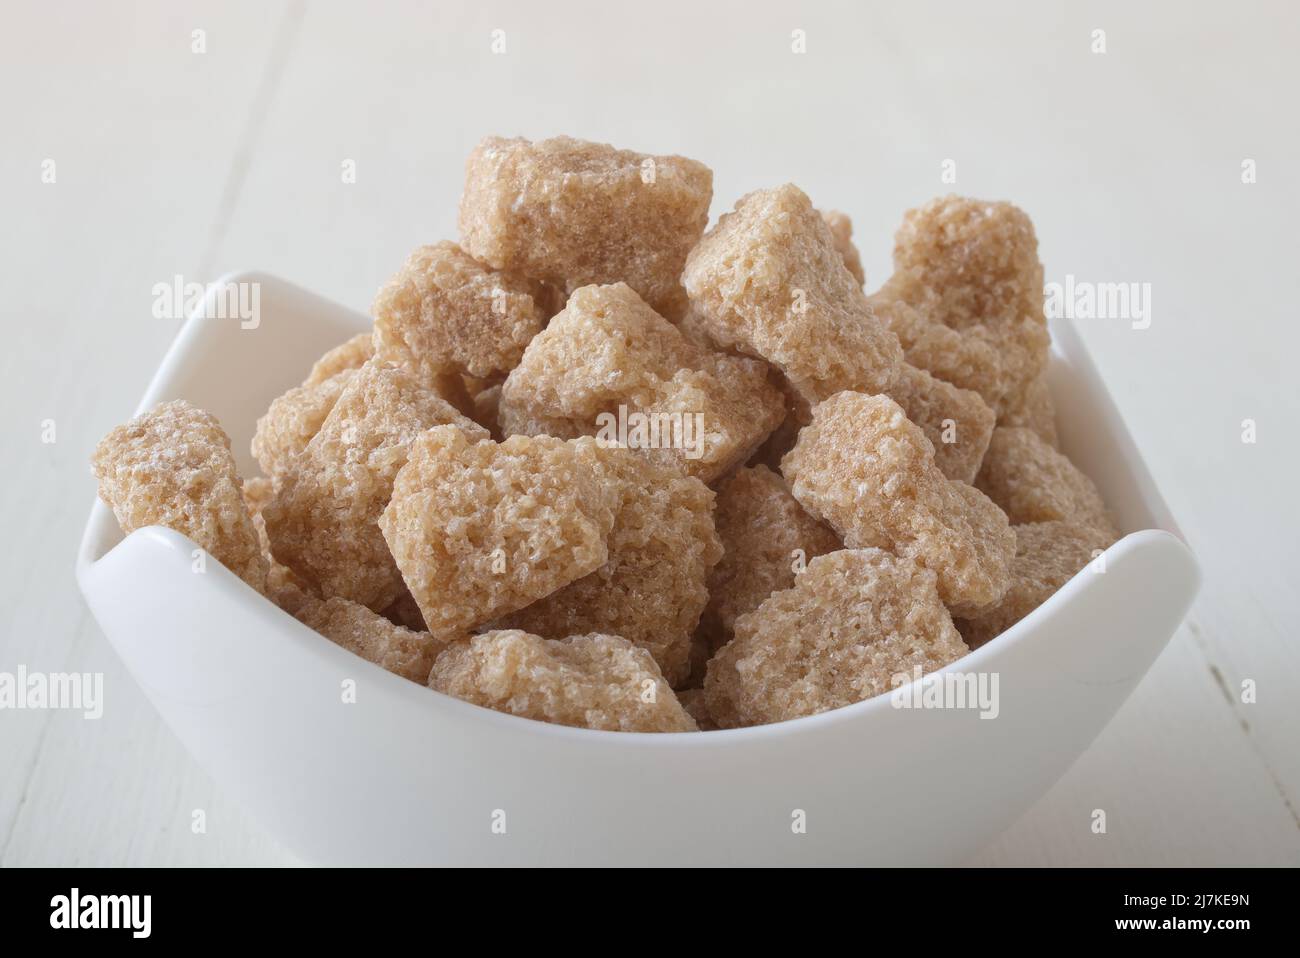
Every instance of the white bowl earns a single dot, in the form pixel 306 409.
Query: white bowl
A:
pixel 408 776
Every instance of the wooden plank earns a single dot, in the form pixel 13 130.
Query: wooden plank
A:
pixel 1174 780
pixel 143 133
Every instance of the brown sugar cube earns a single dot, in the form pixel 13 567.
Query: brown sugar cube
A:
pixel 574 214
pixel 696 705
pixel 966 361
pixel 589 681
pixel 483 401
pixel 853 620
pixel 172 467
pixel 450 385
pixel 1035 410
pixel 979 257
pixel 257 492
pixel 701 651
pixel 651 589
pixel 798 413
pixel 284 587
pixel 869 471
pixel 323 522
pixel 288 590
pixel 1032 482
pixel 550 298
pixel 371 636
pixel 406 612
pixel 360 348
pixel 978 263
pixel 766 536
pixel 1048 554
pixel 295 417
pixel 292 420
pixel 768 281
pixel 487 410
pixel 957 422
pixel 476 384
pixel 842 232
pixel 693 328
pixel 351 354
pixel 445 310
pixel 609 360
pixel 481 529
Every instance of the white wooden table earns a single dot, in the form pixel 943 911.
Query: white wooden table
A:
pixel 169 161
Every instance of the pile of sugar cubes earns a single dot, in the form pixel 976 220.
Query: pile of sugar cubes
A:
pixel 602 466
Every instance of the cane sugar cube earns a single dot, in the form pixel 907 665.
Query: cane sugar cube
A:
pixel 973 266
pixel 589 681
pixel 480 529
pixel 173 467
pixel 574 214
pixel 368 634
pixel 957 422
pixel 610 366
pixel 446 311
pixel 842 232
pixel 1032 482
pixel 768 281
pixel 852 621
pixel 323 522
pixel 869 471
pixel 1048 555
pixel 767 540
pixel 651 590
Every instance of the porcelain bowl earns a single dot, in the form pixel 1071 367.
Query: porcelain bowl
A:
pixel 404 775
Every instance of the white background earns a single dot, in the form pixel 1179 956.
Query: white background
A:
pixel 171 162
